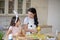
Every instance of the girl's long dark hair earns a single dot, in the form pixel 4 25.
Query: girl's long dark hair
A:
pixel 33 10
pixel 13 21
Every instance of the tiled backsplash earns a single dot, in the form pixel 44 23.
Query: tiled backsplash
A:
pixel 5 21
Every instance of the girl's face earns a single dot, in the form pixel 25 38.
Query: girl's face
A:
pixel 18 23
pixel 30 14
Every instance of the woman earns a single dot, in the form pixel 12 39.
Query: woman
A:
pixel 31 21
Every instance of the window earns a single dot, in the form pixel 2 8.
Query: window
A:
pixel 20 5
pixel 2 5
pixel 28 4
pixel 11 6
pixel 7 6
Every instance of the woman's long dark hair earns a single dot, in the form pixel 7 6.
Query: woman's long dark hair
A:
pixel 13 21
pixel 33 10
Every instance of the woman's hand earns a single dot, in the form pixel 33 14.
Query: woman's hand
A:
pixel 33 30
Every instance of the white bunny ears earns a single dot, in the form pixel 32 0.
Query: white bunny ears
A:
pixel 15 12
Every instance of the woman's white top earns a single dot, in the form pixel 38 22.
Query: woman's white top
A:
pixel 30 23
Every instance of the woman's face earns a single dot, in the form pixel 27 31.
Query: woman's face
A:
pixel 30 14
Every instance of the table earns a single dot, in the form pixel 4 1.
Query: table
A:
pixel 32 37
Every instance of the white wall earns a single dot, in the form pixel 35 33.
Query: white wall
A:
pixel 54 14
pixel 42 10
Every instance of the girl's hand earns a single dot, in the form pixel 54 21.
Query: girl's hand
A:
pixel 16 34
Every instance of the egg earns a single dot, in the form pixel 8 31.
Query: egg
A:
pixel 38 28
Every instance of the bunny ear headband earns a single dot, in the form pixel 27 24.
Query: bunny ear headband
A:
pixel 15 12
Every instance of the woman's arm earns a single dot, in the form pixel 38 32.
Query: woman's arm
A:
pixel 32 30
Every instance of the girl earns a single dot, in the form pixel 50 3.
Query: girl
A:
pixel 14 28
pixel 31 21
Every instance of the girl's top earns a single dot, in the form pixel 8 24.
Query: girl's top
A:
pixel 14 29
